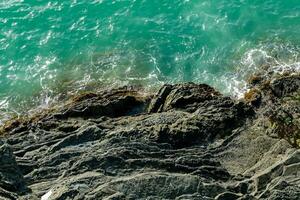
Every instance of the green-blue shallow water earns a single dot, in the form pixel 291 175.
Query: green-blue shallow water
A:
pixel 50 49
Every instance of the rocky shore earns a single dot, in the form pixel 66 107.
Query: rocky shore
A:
pixel 188 141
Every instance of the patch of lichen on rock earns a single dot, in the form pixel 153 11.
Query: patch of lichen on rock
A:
pixel 8 125
pixel 276 97
pixel 285 119
pixel 253 97
pixel 21 123
pixel 255 79
pixel 286 128
pixel 113 103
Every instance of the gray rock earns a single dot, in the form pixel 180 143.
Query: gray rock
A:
pixel 11 178
pixel 188 142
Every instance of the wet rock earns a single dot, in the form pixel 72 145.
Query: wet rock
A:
pixel 253 97
pixel 188 142
pixel 182 97
pixel 278 101
pixel 285 85
pixel 113 103
pixel 213 115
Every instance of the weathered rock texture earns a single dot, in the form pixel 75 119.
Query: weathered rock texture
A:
pixel 186 142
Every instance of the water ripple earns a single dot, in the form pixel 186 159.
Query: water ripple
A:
pixel 52 49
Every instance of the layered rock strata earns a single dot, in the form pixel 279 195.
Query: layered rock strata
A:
pixel 186 142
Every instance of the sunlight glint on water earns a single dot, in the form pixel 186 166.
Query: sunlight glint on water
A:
pixel 52 49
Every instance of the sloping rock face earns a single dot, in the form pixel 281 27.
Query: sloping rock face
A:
pixel 186 142
pixel 11 178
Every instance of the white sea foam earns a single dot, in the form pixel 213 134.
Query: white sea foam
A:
pixel 265 61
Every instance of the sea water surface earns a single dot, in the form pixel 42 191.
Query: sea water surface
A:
pixel 50 49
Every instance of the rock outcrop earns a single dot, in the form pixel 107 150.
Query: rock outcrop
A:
pixel 11 178
pixel 187 142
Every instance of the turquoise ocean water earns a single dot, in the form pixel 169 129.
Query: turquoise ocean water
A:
pixel 52 49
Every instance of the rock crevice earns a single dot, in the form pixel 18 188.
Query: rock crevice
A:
pixel 186 142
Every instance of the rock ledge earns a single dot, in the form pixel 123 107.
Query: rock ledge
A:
pixel 186 142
